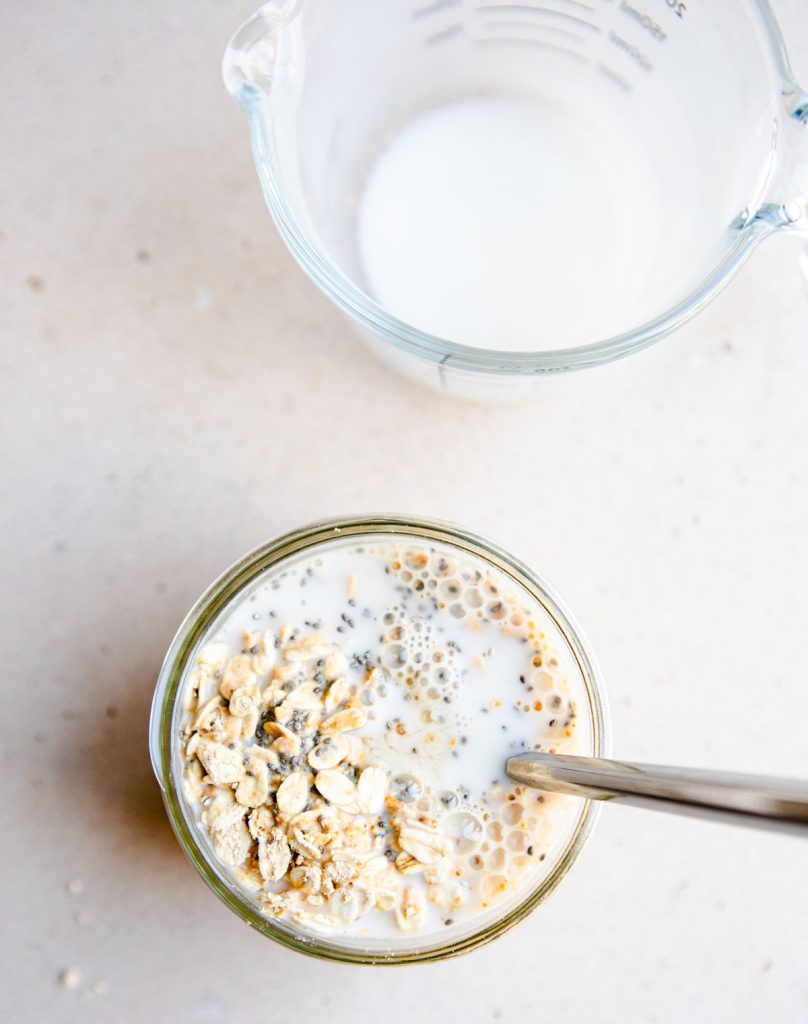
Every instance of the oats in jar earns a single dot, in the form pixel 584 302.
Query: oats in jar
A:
pixel 344 732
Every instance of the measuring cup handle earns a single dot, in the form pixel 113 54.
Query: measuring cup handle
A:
pixel 800 179
pixel 795 208
pixel 786 204
pixel 786 207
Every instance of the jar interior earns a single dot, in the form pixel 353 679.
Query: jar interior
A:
pixel 213 619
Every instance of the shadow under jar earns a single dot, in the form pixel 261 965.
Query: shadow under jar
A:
pixel 496 192
pixel 330 730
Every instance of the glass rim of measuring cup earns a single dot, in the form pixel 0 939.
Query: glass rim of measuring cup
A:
pixel 248 91
pixel 166 705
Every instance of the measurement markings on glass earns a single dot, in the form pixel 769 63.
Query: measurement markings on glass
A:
pixel 677 7
pixel 434 8
pixel 645 21
pixel 631 51
pixel 444 34
pixel 613 76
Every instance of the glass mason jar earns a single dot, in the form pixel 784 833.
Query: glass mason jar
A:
pixel 165 728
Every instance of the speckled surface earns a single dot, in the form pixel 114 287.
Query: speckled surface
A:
pixel 174 391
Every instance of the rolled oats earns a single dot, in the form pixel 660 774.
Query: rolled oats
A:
pixel 351 901
pixel 423 844
pixel 222 763
pixel 244 700
pixel 344 721
pixel 230 837
pixel 338 872
pixel 306 649
pixel 206 716
pixel 371 788
pixel 338 691
pixel 238 673
pixel 305 845
pixel 213 656
pixel 274 855
pixel 408 865
pixel 303 698
pixel 335 787
pixel 293 794
pixel 249 723
pixel 386 897
pixel 336 665
pixel 275 903
pixel 306 877
pixel 253 787
pixel 260 822
pixel 287 746
pixel 410 911
pixel 329 752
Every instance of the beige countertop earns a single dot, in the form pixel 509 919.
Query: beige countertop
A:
pixel 174 391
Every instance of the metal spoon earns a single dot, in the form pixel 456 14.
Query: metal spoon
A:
pixel 754 800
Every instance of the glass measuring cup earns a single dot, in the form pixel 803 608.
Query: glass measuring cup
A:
pixel 590 172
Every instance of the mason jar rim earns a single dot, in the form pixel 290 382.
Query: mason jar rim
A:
pixel 195 627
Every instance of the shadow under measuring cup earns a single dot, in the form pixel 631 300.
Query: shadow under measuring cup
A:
pixel 496 192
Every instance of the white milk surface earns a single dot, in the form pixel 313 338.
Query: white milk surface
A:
pixel 510 224
pixel 461 692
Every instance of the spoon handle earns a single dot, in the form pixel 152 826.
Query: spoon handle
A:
pixel 754 800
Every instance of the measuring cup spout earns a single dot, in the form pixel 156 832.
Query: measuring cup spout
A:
pixel 250 58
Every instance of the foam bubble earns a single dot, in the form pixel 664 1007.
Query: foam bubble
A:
pixel 465 830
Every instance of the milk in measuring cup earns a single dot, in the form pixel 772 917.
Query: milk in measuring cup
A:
pixel 509 224
pixel 345 727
